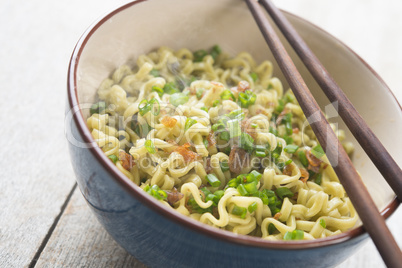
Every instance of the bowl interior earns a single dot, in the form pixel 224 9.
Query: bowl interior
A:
pixel 146 25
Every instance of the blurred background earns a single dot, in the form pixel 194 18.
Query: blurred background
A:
pixel 43 218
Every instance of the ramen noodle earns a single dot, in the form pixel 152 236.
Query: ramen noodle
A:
pixel 217 139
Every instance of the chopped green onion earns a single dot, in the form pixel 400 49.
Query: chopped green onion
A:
pixel 162 194
pixel 141 130
pixel 257 175
pixel 291 148
pixel 217 126
pixel 189 123
pixel 219 194
pixel 263 197
pixel 260 148
pixel 269 193
pixel 311 174
pixel 204 109
pixel 214 197
pixel 283 192
pixel 144 107
pixel 236 114
pixel 287 236
pixel 224 136
pixel 247 98
pixel 149 145
pixel 318 179
pixel 113 158
pixel 289 128
pixel 246 142
pixel 224 165
pixel 213 180
pixel 295 235
pixel 154 72
pixel 303 158
pixel 251 187
pixel 287 119
pixel 317 151
pixel 206 143
pixel 288 162
pixel 227 150
pixel 156 192
pixel 298 235
pixel 242 190
pixel 271 228
pixel 289 97
pixel 260 154
pixel 227 95
pixel 98 108
pixel 270 199
pixel 273 131
pixel 209 197
pixel 252 207
pixel 196 208
pixel 254 125
pixel 216 103
pixel 153 107
pixel 234 182
pixel 206 191
pixel 280 107
pixel 270 86
pixel 215 51
pixel 199 55
pixel 280 164
pixel 274 210
pixel 178 99
pixel 170 88
pixel 234 128
pixel 277 151
pixel 199 92
pixel 158 90
pixel 239 211
pixel 288 139
pixel 254 76
pixel 322 223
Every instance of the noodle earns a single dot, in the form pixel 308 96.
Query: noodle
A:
pixel 217 139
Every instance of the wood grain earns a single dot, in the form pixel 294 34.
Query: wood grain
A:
pixel 80 241
pixel 37 38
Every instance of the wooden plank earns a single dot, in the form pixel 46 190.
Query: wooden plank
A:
pixel 37 39
pixel 80 241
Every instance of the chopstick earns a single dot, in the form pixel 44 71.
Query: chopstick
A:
pixel 362 132
pixel 372 220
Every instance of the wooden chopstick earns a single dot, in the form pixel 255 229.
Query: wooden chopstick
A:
pixel 372 220
pixel 363 134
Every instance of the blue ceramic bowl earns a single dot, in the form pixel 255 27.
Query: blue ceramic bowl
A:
pixel 158 236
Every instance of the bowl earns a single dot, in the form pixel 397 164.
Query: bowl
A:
pixel 158 236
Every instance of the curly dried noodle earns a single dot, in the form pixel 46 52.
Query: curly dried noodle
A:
pixel 215 138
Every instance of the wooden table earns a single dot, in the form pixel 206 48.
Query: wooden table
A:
pixel 44 220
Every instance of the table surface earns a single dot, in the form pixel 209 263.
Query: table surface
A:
pixel 44 220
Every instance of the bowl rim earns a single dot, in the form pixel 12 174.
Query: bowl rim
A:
pixel 150 202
